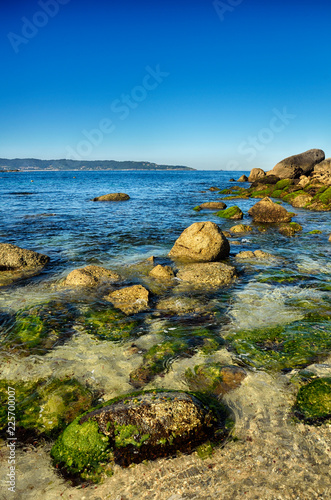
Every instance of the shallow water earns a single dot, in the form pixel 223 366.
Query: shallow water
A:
pixel 58 219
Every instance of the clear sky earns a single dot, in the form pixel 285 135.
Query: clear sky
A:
pixel 231 84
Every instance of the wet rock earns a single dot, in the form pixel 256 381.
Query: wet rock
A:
pixel 241 228
pixel 112 197
pixel 231 213
pixel 214 188
pixel 16 258
pixel 243 178
pixel 290 229
pixel 202 242
pixel 162 272
pixel 107 323
pixel 268 211
pixel 135 428
pixel 330 238
pixel 301 200
pixel 256 173
pixel 258 254
pixel 295 166
pixel 130 300
pixel 213 205
pixel 208 274
pixel 181 305
pixel 151 259
pixel 232 180
pixel 214 378
pixel 314 401
pixel 91 276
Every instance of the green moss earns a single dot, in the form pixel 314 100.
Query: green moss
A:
pixel 283 183
pixel 109 324
pixel 263 193
pixel 197 209
pixel 128 435
pixel 204 378
pixel 230 213
pixel 315 231
pixel 324 197
pixel 83 450
pixel 205 450
pixel 314 400
pixel 277 193
pixel 291 196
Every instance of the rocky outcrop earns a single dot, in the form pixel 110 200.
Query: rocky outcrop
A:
pixel 15 258
pixel 256 174
pixel 162 272
pixel 231 213
pixel 213 205
pixel 112 197
pixel 130 300
pixel 295 166
pixel 212 274
pixel 133 429
pixel 243 178
pixel 268 211
pixel 201 242
pixel 91 276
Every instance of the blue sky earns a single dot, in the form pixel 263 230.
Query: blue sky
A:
pixel 213 85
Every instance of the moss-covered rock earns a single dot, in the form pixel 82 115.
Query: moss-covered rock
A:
pixel 230 213
pixel 214 378
pixel 137 427
pixel 314 401
pixel 290 229
pixel 107 323
pixel 44 406
pixel 241 228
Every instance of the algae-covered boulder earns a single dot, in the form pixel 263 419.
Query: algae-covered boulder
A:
pixel 112 197
pixel 314 401
pixel 290 229
pixel 39 328
pixel 268 211
pixel 16 258
pixel 137 427
pixel 91 276
pixel 44 406
pixel 207 274
pixel 201 242
pixel 214 378
pixel 231 213
pixel 130 300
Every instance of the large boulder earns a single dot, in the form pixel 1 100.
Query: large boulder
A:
pixel 15 258
pixel 256 173
pixel 201 242
pixel 112 197
pixel 130 300
pixel 268 211
pixel 136 428
pixel 322 173
pixel 91 276
pixel 207 274
pixel 295 166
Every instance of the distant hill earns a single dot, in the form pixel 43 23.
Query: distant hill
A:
pixel 35 164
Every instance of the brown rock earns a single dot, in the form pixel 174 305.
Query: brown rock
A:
pixel 213 205
pixel 130 300
pixel 15 258
pixel 268 211
pixel 207 274
pixel 243 178
pixel 112 197
pixel 91 276
pixel 301 200
pixel 322 173
pixel 256 173
pixel 162 272
pixel 214 188
pixel 201 242
pixel 240 228
pixel 258 254
pixel 214 378
pixel 301 164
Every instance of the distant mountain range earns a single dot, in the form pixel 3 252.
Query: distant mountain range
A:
pixel 29 164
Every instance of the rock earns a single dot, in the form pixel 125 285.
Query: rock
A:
pixel 214 188
pixel 241 228
pixel 227 234
pixel 91 276
pixel 231 213
pixel 162 272
pixel 268 211
pixel 181 305
pixel 243 178
pixel 151 259
pixel 304 181
pixel 108 323
pixel 258 254
pixel 245 255
pixel 263 255
pixel 136 428
pixel 213 205
pixel 322 173
pixel 301 200
pixel 263 181
pixel 130 300
pixel 330 238
pixel 256 173
pixel 314 401
pixel 232 180
pixel 201 242
pixel 112 197
pixel 301 164
pixel 214 378
pixel 290 229
pixel 15 258
pixel 207 274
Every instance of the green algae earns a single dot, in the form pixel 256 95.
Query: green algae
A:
pixel 315 231
pixel 314 401
pixel 109 324
pixel 230 213
pixel 197 208
pixel 283 184
pixel 45 406
pixel 324 197
pixel 277 193
pixel 128 435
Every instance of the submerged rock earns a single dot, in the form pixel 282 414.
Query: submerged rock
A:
pixel 314 401
pixel 162 272
pixel 258 254
pixel 135 428
pixel 201 242
pixel 208 274
pixel 214 378
pixel 130 300
pixel 91 276
pixel 16 258
pixel 231 213
pixel 112 197
pixel 241 228
pixel 268 211
pixel 108 324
